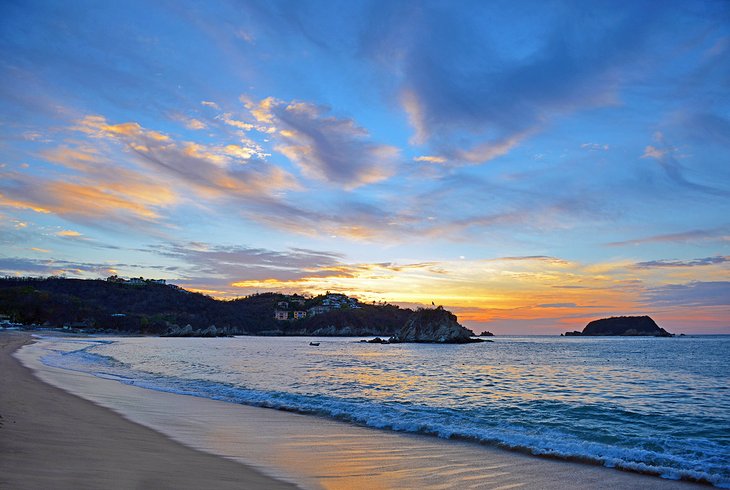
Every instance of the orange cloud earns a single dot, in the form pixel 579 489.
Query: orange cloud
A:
pixel 208 170
pixel 94 200
pixel 492 149
pixel 74 158
pixel 127 198
pixel 228 119
pixel 22 204
pixel 97 127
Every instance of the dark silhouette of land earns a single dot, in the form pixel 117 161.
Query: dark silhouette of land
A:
pixel 157 309
pixel 626 326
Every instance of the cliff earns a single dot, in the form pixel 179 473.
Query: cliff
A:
pixel 629 326
pixel 434 326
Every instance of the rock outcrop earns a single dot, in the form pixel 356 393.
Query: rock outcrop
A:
pixel 628 326
pixel 376 340
pixel 434 325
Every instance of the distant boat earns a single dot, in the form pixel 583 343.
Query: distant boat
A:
pixel 314 343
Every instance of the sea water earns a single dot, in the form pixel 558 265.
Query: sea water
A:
pixel 652 405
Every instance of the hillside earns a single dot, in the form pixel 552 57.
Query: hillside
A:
pixel 152 308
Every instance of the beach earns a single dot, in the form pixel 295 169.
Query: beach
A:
pixel 53 438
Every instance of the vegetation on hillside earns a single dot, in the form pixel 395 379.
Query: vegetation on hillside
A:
pixel 158 308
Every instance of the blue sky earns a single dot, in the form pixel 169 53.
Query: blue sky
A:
pixel 530 165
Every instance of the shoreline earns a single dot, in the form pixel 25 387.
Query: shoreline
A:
pixel 316 452
pixel 50 438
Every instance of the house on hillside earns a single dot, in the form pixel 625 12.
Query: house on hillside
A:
pixel 318 310
pixel 298 315
pixel 281 315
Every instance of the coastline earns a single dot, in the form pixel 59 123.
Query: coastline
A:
pixel 315 452
pixel 50 438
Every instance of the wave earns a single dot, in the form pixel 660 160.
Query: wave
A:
pixel 446 423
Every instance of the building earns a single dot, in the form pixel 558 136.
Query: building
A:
pixel 298 315
pixel 283 305
pixel 281 315
pixel 318 310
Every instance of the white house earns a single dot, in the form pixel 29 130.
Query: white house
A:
pixel 281 315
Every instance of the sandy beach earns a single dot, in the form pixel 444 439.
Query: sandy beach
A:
pixel 54 439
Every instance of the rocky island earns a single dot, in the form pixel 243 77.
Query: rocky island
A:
pixel 627 326
pixel 434 325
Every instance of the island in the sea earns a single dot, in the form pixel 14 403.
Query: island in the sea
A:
pixel 628 326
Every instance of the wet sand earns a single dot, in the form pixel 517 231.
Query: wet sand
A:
pixel 315 452
pixel 52 439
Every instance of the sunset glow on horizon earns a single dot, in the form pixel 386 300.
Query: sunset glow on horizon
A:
pixel 530 166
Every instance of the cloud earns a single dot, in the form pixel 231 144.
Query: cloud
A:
pixel 558 305
pixel 653 152
pixel 136 176
pixel 458 77
pixel 664 155
pixel 97 127
pixel 87 199
pixel 692 236
pixel 324 147
pixel 228 119
pixel 430 159
pixel 719 259
pixel 84 158
pixel 189 122
pixel 230 170
pixel 594 147
pixel 68 233
pixel 693 294
pixel 490 150
pixel 546 259
pixel 210 104
pixel 16 266
pixel 235 263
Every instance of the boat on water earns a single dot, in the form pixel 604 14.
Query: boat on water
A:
pixel 314 344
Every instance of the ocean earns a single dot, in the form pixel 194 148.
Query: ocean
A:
pixel 650 405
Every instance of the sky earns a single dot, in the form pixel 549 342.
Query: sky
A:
pixel 530 166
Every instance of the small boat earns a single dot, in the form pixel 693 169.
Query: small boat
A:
pixel 314 343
